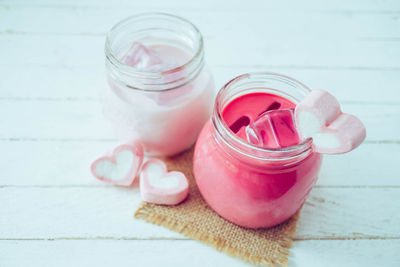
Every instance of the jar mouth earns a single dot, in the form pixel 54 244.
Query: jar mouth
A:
pixel 154 77
pixel 239 145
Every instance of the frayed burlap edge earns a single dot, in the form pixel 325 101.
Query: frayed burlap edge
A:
pixel 145 213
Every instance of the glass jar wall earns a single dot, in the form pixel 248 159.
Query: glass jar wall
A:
pixel 249 185
pixel 165 108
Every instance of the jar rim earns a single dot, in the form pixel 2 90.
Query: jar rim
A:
pixel 232 140
pixel 195 61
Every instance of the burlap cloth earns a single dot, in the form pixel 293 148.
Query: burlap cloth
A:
pixel 195 219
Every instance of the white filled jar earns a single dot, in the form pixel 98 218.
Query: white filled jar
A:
pixel 163 108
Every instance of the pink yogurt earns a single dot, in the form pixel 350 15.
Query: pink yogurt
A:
pixel 249 185
pixel 160 90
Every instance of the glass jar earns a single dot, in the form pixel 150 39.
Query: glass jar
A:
pixel 163 109
pixel 248 185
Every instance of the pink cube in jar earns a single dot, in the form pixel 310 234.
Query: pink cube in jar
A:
pixel 247 184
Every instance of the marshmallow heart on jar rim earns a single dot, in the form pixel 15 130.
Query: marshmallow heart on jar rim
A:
pixel 320 117
pixel 160 90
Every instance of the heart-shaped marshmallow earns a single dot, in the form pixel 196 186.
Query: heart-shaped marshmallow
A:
pixel 159 186
pixel 333 132
pixel 121 167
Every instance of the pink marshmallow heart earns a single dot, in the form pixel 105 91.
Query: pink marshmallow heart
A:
pixel 333 132
pixel 121 167
pixel 159 186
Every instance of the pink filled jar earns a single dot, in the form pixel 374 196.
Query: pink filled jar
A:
pixel 163 108
pixel 249 185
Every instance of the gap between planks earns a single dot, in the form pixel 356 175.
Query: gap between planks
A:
pixel 111 186
pixel 103 34
pixel 233 66
pixel 29 139
pixel 345 11
pixel 351 10
pixel 96 99
pixel 188 239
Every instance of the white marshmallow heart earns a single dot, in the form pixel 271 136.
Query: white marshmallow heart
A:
pixel 159 186
pixel 121 167
pixel 320 117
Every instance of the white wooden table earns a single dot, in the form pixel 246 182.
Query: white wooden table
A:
pixel 54 213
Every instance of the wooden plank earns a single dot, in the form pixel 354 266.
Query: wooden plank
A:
pixel 112 253
pixel 219 24
pixel 353 253
pixel 74 212
pixel 106 212
pixel 332 6
pixel 84 120
pixel 67 161
pixel 42 119
pixel 348 85
pixel 53 71
pixel 369 165
pixel 170 253
pixel 68 83
pixel 351 212
pixel 248 50
pixel 52 82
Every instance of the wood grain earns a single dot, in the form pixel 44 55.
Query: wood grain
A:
pixel 52 212
pixel 54 158
pixel 169 253
pixel 77 120
pixel 264 20
pixel 357 6
pixel 85 51
pixel 107 212
pixel 75 83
